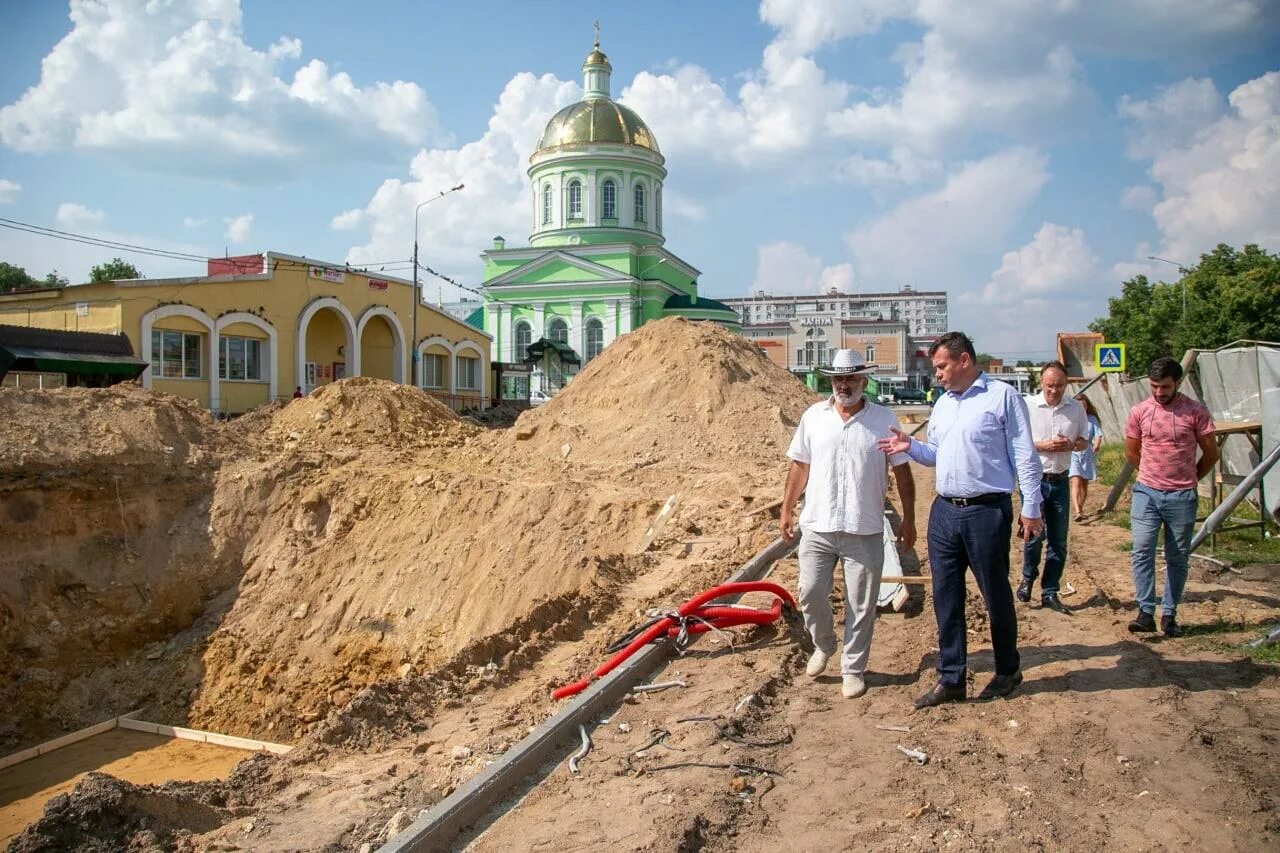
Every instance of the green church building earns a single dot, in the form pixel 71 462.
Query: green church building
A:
pixel 595 267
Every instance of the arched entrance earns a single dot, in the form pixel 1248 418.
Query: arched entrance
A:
pixel 327 344
pixel 381 345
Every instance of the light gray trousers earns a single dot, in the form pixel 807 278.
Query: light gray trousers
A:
pixel 863 558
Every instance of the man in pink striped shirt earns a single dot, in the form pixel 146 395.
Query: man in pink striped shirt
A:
pixel 1160 441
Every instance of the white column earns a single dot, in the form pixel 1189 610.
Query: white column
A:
pixel 592 214
pixel 576 331
pixel 611 322
pixel 495 319
pixel 539 321
pixel 628 315
pixel 215 386
pixel 626 212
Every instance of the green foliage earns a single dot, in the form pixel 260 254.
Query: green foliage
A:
pixel 14 278
pixel 55 280
pixel 1230 295
pixel 113 270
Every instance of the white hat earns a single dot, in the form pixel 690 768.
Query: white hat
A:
pixel 848 362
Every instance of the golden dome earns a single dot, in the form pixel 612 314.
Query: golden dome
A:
pixel 596 120
pixel 595 57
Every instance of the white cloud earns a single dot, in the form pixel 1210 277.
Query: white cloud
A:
pixel 925 238
pixel 174 87
pixel 806 25
pixel 785 267
pixel 497 195
pixel 348 220
pixel 1057 261
pixel 1172 118
pixel 74 215
pixel 9 191
pixel 1138 197
pixel 192 222
pixel 238 228
pixel 1220 179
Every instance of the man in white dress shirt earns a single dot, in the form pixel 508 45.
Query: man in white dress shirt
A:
pixel 1059 425
pixel 837 465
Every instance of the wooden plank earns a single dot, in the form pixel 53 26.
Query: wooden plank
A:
pixel 659 522
pixel 916 580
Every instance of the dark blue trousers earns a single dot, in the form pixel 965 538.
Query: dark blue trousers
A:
pixel 1056 511
pixel 972 537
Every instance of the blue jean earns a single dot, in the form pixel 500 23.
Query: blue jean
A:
pixel 1056 511
pixel 1176 512
pixel 977 538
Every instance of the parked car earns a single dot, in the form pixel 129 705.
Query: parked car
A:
pixel 537 398
pixel 910 395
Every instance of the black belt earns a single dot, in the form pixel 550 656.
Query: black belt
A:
pixel 1055 478
pixel 988 498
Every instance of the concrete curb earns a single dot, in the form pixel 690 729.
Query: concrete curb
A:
pixel 435 829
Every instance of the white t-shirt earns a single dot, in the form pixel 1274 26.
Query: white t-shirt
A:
pixel 848 477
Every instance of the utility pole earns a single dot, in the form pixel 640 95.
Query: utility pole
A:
pixel 417 296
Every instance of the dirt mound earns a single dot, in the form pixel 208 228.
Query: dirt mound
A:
pixel 675 391
pixel 364 411
pixel 98 429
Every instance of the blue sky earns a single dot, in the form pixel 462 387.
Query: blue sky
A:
pixel 1025 156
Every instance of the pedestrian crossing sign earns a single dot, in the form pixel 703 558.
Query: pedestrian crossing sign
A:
pixel 1109 358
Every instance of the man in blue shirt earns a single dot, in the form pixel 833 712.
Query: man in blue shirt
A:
pixel 979 439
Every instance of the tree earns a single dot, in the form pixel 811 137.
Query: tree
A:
pixel 1229 295
pixel 14 278
pixel 113 270
pixel 55 280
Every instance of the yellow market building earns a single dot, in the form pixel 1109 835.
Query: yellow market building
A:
pixel 257 327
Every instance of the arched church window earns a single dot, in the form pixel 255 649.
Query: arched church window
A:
pixel 609 200
pixel 639 202
pixel 558 331
pixel 595 337
pixel 575 199
pixel 546 204
pixel 524 335
pixel 871 353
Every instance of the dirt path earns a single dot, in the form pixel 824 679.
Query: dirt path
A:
pixel 1112 740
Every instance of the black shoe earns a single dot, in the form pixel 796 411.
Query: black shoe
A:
pixel 1024 590
pixel 1169 625
pixel 1144 624
pixel 1050 601
pixel 1001 685
pixel 941 694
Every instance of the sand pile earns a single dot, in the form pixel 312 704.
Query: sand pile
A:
pixel 671 391
pixel 83 430
pixel 365 411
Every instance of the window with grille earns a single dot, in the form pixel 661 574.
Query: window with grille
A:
pixel 524 337
pixel 546 204
pixel 176 355
pixel 558 331
pixel 575 199
pixel 609 200
pixel 639 203
pixel 595 338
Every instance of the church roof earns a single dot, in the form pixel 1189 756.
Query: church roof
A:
pixel 684 301
pixel 597 120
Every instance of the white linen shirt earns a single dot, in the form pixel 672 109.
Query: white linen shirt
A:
pixel 848 478
pixel 1068 419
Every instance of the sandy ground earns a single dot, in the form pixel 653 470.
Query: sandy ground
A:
pixel 137 757
pixel 1113 740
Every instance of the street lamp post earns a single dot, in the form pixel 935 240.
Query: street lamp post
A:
pixel 1182 271
pixel 417 297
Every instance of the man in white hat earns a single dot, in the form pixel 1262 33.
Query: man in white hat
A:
pixel 837 465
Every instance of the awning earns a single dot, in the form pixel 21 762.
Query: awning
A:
pixel 52 361
pixel 539 348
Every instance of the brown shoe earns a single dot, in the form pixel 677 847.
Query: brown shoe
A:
pixel 941 694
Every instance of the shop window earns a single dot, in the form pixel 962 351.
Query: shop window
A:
pixel 176 355
pixel 240 358
pixel 432 371
pixel 468 373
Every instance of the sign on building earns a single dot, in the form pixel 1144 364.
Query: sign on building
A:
pixel 335 276
pixel 377 284
pixel 1109 358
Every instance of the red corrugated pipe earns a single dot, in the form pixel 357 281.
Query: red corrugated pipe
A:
pixel 695 616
